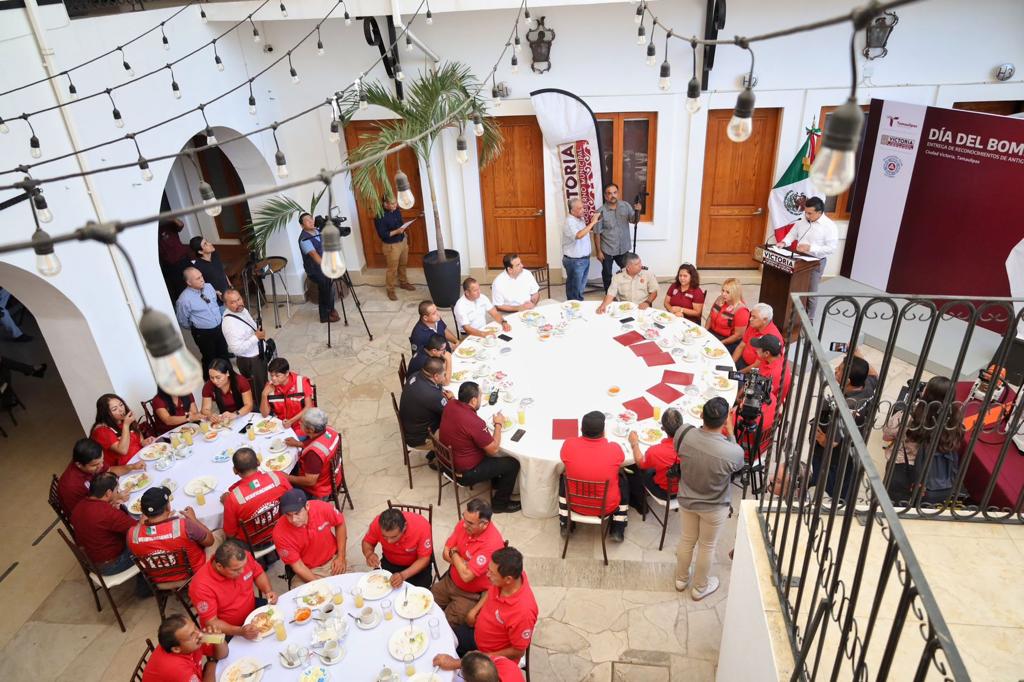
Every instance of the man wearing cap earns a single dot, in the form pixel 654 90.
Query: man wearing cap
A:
pixel 161 530
pixel 252 492
pixel 86 463
pixel 406 543
pixel 592 457
pixel 310 537
pixel 222 590
pixel 468 550
pixel 708 460
pixel 180 654
pixel 312 473
pixel 772 364
pixel 503 620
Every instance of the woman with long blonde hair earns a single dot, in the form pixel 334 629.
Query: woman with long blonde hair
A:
pixel 729 315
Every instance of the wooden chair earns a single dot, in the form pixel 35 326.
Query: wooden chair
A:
pixel 403 371
pixel 339 484
pixel 315 404
pixel 148 425
pixel 446 475
pixel 428 512
pixel 97 581
pixel 587 496
pixel 258 529
pixel 406 450
pixel 666 506
pixel 140 667
pixel 58 506
pixel 543 277
pixel 524 662
pixel 168 575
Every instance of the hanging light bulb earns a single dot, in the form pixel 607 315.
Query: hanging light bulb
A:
pixel 335 135
pixel 399 75
pixel 741 125
pixel 693 95
pixel 496 95
pixel 639 14
pixel 128 68
pixel 206 192
pixel 518 44
pixel 175 89
pixel 211 139
pixel 42 210
pixel 526 17
pixel 461 150
pixel 176 371
pixel 3 127
pixel 282 164
pixel 256 35
pixel 167 43
pixel 515 64
pixel 34 149
pixel 651 53
pixel 202 15
pixel 47 263
pixel 72 92
pixel 332 262
pixel 406 199
pixel 252 105
pixel 665 78
pixel 641 35
pixel 217 60
pixel 284 11
pixel 835 164
pixel 118 121
pixel 408 43
pixel 348 19
pixel 320 48
pixel 478 125
pixel 430 17
pixel 295 75
pixel 147 174
pixel 363 103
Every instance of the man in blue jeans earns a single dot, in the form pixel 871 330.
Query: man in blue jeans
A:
pixel 576 250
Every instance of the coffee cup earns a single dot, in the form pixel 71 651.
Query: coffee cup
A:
pixel 366 615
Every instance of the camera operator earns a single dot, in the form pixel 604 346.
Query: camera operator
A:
pixel 859 393
pixel 770 363
pixel 312 248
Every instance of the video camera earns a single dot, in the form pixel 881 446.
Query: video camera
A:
pixel 336 219
pixel 755 392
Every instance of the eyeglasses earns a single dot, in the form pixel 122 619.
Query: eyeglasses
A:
pixel 203 296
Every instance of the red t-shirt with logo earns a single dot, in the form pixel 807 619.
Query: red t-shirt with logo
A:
pixel 724 320
pixel 73 486
pixel 685 299
pixel 166 666
pixel 661 457
pixel 508 670
pixel 781 375
pixel 229 599
pixel 749 352
pixel 505 622
pixel 315 543
pixel 415 542
pixel 477 551
pixel 594 459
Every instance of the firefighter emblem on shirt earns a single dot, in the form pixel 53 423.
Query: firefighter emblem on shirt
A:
pixel 203 607
pixel 427 543
pixel 481 559
pixel 527 633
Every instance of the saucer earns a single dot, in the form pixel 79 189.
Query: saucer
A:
pixel 377 618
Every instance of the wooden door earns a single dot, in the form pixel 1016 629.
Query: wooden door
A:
pixel 417 232
pixel 512 195
pixel 737 180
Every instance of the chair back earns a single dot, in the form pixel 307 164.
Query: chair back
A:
pixel 542 275
pixel 259 528
pixel 403 371
pixel 401 431
pixel 428 513
pixel 79 553
pixel 148 424
pixel 314 394
pixel 445 461
pixel 338 467
pixel 58 506
pixel 165 567
pixel 586 497
pixel 140 667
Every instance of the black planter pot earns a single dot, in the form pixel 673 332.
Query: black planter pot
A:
pixel 443 278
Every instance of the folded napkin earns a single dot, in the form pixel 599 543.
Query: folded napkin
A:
pixel 664 392
pixel 564 428
pixel 678 378
pixel 661 358
pixel 647 348
pixel 629 338
pixel 641 407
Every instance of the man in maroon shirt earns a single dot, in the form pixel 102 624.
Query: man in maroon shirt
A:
pixel 86 463
pixel 591 457
pixel 475 450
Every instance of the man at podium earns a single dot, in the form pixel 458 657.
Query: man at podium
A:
pixel 815 235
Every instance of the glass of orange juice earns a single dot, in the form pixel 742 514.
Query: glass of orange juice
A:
pixel 657 412
pixel 338 598
pixel 204 426
pixel 187 435
pixel 410 665
pixel 279 630
pixel 357 595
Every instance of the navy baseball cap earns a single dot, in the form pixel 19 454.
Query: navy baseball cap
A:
pixel 292 501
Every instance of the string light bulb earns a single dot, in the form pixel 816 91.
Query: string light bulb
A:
pixel 430 16
pixel 319 43
pixel 4 129
pixel 641 35
pixel 399 75
pixel 408 43
pixel 693 95
pixel 461 150
pixel 177 372
pixel 33 146
pixel 42 210
pixel 295 75
pixel 176 89
pixel 665 77
pixel 515 63
pixel 517 44
pixel 255 31
pixel 252 105
pixel 348 18
pixel 639 14
pixel 651 52
pixel 47 263
pixel 72 91
pixel 741 125
pixel 834 166
pixel 335 135
pixel 282 164
pixel 202 15
pixel 478 124
pixel 211 139
pixel 284 11
pixel 128 68
pixel 406 199
pixel 118 121
pixel 163 39
pixel 363 102
pixel 332 262
pixel 209 198
pixel 219 62
pixel 147 174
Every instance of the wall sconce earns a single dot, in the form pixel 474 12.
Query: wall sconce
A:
pixel 877 35
pixel 540 38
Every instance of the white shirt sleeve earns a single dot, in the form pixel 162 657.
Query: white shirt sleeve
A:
pixel 826 238
pixel 532 287
pixel 463 311
pixel 498 289
pixel 484 306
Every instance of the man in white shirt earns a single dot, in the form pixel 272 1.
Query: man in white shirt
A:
pixel 815 235
pixel 243 336
pixel 515 289
pixel 472 310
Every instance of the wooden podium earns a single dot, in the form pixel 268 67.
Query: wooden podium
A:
pixel 784 273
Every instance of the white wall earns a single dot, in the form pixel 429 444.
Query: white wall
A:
pixel 593 55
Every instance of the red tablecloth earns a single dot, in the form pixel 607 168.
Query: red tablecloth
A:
pixel 986 454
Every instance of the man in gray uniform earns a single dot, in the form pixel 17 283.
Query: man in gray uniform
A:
pixel 612 229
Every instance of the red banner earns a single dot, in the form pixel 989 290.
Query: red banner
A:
pixel 576 162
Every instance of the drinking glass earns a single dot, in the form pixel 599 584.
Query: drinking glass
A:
pixel 410 665
pixel 385 607
pixel 279 630
pixel 435 628
pixel 357 595
pixel 204 426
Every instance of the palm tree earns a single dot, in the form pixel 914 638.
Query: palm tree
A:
pixel 273 215
pixel 433 102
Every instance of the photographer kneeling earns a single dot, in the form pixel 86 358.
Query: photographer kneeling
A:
pixel 770 367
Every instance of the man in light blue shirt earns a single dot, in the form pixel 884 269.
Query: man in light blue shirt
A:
pixel 197 310
pixel 576 250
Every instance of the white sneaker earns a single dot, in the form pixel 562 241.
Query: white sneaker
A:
pixel 708 589
pixel 681 585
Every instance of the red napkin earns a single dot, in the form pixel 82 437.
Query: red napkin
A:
pixel 678 378
pixel 645 349
pixel 664 392
pixel 564 428
pixel 661 358
pixel 629 338
pixel 642 408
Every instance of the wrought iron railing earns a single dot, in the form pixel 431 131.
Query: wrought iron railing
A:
pixel 855 599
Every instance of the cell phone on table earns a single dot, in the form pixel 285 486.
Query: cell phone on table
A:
pixel 839 347
pixel 659 325
pixel 493 399
pixel 518 434
pixel 625 320
pixel 504 337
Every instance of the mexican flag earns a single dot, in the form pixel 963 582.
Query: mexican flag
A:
pixel 786 203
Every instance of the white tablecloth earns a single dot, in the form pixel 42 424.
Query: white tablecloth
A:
pixel 366 651
pixel 570 373
pixel 200 463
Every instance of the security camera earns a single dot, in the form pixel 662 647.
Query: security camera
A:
pixel 268 48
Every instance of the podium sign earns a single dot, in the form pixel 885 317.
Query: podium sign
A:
pixel 779 261
pixel 784 273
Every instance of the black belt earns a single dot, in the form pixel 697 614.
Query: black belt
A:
pixel 197 330
pixel 577 257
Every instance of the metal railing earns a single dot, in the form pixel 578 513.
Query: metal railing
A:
pixel 855 599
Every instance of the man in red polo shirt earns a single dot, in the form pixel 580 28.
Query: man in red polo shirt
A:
pixel 591 457
pixel 287 395
pixel 407 545
pixel 310 536
pixel 100 526
pixel 475 450
pixel 502 622
pixel 161 530
pixel 760 325
pixel 251 493
pixel 771 363
pixel 479 667
pixel 222 590
pixel 312 473
pixel 179 657
pixel 468 550
pixel 86 462
pixel 660 457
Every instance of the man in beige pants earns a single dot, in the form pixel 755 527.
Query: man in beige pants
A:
pixel 708 461
pixel 391 230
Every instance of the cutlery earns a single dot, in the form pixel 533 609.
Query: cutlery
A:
pixel 257 670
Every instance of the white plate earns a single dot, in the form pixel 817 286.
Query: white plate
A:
pixel 277 462
pixel 313 595
pixel 651 435
pixel 425 677
pixel 399 645
pixel 269 609
pixel 376 584
pixel 331 661
pixel 234 672
pixel 467 351
pixel 714 352
pixel 204 484
pixel 133 483
pixel 155 451
pixel 420 603
pixel 267 425
pixel 223 456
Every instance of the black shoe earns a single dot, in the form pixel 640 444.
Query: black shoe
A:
pixel 617 536
pixel 507 508
pixel 24 338
pixel 39 370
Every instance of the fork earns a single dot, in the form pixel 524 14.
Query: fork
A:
pixel 406 602
pixel 257 670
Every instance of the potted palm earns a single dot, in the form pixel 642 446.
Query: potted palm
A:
pixel 272 215
pixel 435 101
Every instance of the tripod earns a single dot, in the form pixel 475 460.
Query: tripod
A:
pixel 347 280
pixel 749 434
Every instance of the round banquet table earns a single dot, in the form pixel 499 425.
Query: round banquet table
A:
pixel 200 462
pixel 567 371
pixel 366 651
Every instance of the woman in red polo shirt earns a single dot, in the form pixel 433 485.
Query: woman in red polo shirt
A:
pixel 172 410
pixel 729 315
pixel 116 431
pixel 232 393
pixel 684 297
